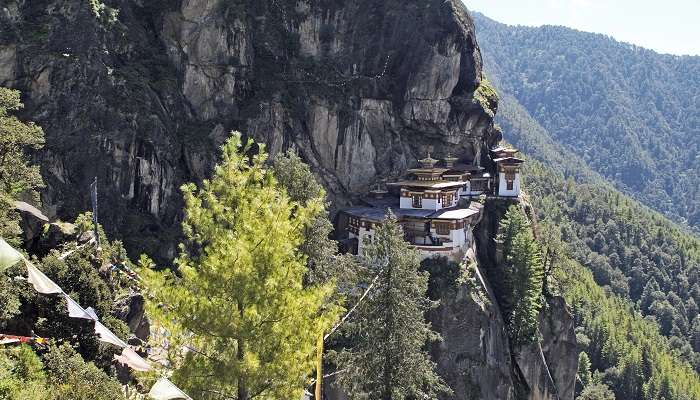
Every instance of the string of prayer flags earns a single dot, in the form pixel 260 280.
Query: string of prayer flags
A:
pixel 9 339
pixel 162 390
pixel 132 359
pixel 166 390
pixel 8 255
pixel 41 282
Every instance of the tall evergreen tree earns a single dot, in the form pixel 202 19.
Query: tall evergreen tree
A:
pixel 301 185
pixel 387 360
pixel 523 276
pixel 238 302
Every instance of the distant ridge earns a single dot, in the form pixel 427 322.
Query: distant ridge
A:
pixel 630 114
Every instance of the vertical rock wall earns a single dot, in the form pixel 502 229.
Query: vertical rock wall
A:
pixel 141 93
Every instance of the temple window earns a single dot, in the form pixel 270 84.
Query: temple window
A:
pixel 417 201
pixel 442 228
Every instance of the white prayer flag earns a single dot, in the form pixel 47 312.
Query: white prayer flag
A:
pixel 8 255
pixel 41 282
pixel 76 311
pixel 166 390
pixel 91 312
pixel 132 359
pixel 107 336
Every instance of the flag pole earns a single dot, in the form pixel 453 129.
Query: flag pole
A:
pixel 93 198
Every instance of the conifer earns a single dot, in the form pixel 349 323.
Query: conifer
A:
pixel 387 360
pixel 237 304
pixel 521 294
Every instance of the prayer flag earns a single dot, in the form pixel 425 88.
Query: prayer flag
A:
pixel 76 311
pixel 91 312
pixel 107 336
pixel 93 200
pixel 166 390
pixel 8 255
pixel 132 359
pixel 319 367
pixel 41 282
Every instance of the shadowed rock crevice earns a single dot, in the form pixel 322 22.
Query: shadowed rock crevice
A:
pixel 361 89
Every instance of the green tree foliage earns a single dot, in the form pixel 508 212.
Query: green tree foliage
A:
pixel 596 391
pixel 387 360
pixel 238 300
pixel 591 94
pixel 21 375
pixel 28 312
pixel 584 369
pixel 520 290
pixel 71 378
pixel 631 250
pixel 637 361
pixel 60 375
pixel 627 351
pixel 301 185
pixel 17 176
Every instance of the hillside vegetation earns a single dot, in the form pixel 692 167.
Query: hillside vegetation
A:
pixel 630 114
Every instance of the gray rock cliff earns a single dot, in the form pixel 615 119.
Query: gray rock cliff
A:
pixel 140 94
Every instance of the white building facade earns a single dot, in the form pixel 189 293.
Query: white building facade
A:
pixel 431 206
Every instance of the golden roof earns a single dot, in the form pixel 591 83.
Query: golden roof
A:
pixel 428 162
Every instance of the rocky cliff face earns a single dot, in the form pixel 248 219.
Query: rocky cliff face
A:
pixel 140 93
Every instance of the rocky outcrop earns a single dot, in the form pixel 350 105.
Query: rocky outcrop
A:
pixel 476 359
pixel 360 88
pixel 549 366
pixel 132 310
pixel 559 345
pixel 32 222
pixel 473 356
pixel 140 93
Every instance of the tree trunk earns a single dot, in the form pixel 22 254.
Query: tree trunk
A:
pixel 242 387
pixel 387 335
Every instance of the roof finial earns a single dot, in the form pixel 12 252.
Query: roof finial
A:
pixel 450 160
pixel 428 162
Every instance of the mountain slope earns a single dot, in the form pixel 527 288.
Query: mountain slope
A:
pixel 630 114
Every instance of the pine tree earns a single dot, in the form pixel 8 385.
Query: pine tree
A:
pixel 323 259
pixel 584 369
pixel 387 360
pixel 238 301
pixel 523 276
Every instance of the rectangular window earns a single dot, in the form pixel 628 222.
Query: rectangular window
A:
pixel 417 201
pixel 447 199
pixel 442 228
pixel 510 177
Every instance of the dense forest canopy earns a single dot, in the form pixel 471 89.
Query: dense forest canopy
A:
pixel 629 113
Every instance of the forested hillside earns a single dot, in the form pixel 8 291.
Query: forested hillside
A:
pixel 630 250
pixel 630 114
pixel 602 118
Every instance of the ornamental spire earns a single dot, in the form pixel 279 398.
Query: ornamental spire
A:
pixel 450 160
pixel 428 162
